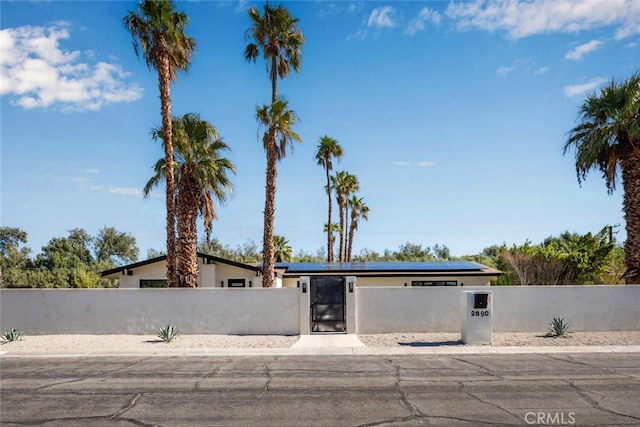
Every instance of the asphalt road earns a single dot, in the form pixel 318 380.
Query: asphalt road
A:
pixel 443 390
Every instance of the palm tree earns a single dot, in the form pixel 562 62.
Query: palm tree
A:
pixel 277 35
pixel 328 149
pixel 277 120
pixel 345 184
pixel 608 139
pixel 283 251
pixel 201 176
pixel 358 210
pixel 335 228
pixel 158 30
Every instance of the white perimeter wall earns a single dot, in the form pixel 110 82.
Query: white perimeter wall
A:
pixel 278 311
pixel 517 308
pixel 143 311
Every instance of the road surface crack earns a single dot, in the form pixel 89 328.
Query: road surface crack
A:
pixel 596 404
pixel 129 406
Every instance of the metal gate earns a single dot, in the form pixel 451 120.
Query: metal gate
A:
pixel 328 304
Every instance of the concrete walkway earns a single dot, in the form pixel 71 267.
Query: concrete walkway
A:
pixel 329 345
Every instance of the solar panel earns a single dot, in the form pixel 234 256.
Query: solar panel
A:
pixel 346 267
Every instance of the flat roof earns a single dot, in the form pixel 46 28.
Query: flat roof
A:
pixel 384 267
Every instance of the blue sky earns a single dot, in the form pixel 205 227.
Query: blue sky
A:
pixel 451 114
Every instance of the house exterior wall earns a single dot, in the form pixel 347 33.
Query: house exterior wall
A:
pixel 210 275
pixel 364 281
pixel 155 271
pixel 224 272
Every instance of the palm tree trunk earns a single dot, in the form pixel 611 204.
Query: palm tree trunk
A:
pixel 350 242
pixel 341 213
pixel 268 257
pixel 186 246
pixel 164 84
pixel 329 230
pixel 630 165
pixel 345 232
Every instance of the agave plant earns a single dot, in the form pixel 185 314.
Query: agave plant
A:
pixel 11 335
pixel 168 333
pixel 558 327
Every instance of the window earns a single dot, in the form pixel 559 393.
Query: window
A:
pixel 236 283
pixel 153 283
pixel 434 283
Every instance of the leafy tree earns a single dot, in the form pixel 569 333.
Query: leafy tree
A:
pixel 276 35
pixel 114 247
pixel 327 150
pixel 202 175
pixel 278 120
pixel 158 30
pixel 12 256
pixel 71 261
pixel 154 253
pixel 283 251
pixel 608 139
pixel 567 259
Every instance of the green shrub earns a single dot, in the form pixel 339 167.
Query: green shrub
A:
pixel 11 335
pixel 558 327
pixel 168 333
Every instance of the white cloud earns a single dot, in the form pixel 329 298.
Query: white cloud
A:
pixel 38 73
pixel 541 71
pixel 525 18
pixel 503 71
pixel 579 51
pixel 582 89
pixel 426 15
pixel 426 164
pixel 127 191
pixel 420 164
pixel 382 17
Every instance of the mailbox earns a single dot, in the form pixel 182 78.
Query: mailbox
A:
pixel 476 317
pixel 480 300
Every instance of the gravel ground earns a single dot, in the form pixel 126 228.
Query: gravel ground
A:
pixel 82 343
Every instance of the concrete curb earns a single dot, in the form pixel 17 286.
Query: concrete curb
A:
pixel 330 351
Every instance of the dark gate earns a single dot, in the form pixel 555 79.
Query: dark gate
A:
pixel 328 304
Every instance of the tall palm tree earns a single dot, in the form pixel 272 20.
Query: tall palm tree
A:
pixel 275 33
pixel 201 176
pixel 345 184
pixel 608 139
pixel 335 228
pixel 158 31
pixel 358 210
pixel 283 251
pixel 277 120
pixel 278 36
pixel 327 150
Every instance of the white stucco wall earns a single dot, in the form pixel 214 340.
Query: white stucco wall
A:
pixel 143 311
pixel 211 275
pixel 286 310
pixel 364 281
pixel 515 308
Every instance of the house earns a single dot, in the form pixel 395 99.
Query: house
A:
pixel 216 272
pixel 437 273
